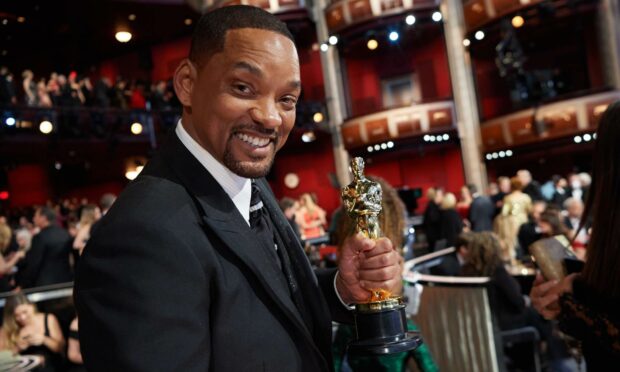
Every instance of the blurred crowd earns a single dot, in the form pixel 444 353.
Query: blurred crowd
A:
pixel 74 90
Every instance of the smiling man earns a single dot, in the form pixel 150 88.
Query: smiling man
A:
pixel 195 268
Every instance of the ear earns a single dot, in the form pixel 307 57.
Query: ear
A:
pixel 184 80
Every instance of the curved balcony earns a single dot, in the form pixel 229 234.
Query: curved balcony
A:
pixel 345 13
pixel 273 6
pixel 398 123
pixel 551 121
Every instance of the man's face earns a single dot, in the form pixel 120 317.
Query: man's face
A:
pixel 575 209
pixel 243 100
pixel 38 219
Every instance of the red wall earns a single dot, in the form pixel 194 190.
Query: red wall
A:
pixel 166 58
pixel 28 185
pixel 94 192
pixel 429 61
pixel 311 75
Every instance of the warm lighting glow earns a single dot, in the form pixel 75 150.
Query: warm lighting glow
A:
pixel 466 42
pixel 517 21
pixel 333 40
pixel 188 21
pixel 131 175
pixel 136 128
pixel 317 117
pixel 372 44
pixel 437 16
pixel 410 19
pixel 10 121
pixel 46 127
pixel 308 136
pixel 21 19
pixel 479 35
pixel 324 47
pixel 123 36
pixel 369 148
pixel 132 17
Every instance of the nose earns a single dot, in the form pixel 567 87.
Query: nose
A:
pixel 266 113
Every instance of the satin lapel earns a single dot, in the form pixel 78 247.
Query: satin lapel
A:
pixel 222 218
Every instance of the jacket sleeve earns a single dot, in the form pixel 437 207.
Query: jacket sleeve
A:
pixel 143 301
pixel 27 274
pixel 339 313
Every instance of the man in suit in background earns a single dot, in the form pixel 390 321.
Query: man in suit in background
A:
pixel 481 211
pixel 47 261
pixel 195 268
pixel 530 186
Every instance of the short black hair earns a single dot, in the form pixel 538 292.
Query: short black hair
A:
pixel 286 203
pixel 48 213
pixel 210 32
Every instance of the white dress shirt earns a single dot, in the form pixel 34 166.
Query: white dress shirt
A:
pixel 238 188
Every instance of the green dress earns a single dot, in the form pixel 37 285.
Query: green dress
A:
pixel 388 363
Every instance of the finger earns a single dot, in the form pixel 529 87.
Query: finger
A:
pixel 545 301
pixel 379 261
pixel 539 279
pixel 542 289
pixel 383 245
pixel 377 275
pixel 359 243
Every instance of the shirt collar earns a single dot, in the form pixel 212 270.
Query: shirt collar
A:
pixel 238 188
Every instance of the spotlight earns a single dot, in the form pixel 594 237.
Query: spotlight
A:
pixel 58 165
pixel 410 19
pixel 324 47
pixel 466 42
pixel 502 154
pixel 136 128
pixel 21 19
pixel 390 145
pixel 123 36
pixel 479 35
pixel 437 16
pixel 446 137
pixel 46 127
pixel 5 21
pixel 372 44
pixel 494 155
pixel 369 148
pixel 318 117
pixel 517 21
pixel 132 17
pixel 377 147
pixel 594 136
pixel 432 138
pixel 10 121
pixel 394 36
pixel 333 40
pixel 489 157
pixel 439 138
pixel 188 21
pixel 508 153
pixel 587 137
pixel 308 136
pixel 383 146
pixel 427 138
pixel 131 175
pixel 577 139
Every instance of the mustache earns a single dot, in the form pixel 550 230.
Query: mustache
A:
pixel 271 133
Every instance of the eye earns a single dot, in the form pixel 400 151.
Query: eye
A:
pixel 289 102
pixel 242 89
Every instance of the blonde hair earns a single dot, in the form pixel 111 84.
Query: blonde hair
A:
pixel 88 215
pixel 449 201
pixel 9 324
pixel 5 237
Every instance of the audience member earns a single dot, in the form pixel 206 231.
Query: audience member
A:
pixel 432 217
pixel 463 205
pixel 451 222
pixel 530 187
pixel 311 218
pixel 74 353
pixel 481 211
pixel 530 232
pixel 503 184
pixel 289 208
pixel 559 190
pixel 30 88
pixel 7 260
pixel 89 215
pixel 451 264
pixel 515 210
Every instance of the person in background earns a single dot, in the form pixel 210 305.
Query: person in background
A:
pixel 481 211
pixel 451 222
pixel 574 215
pixel 530 187
pixel 432 216
pixel 89 215
pixel 559 191
pixel 30 88
pixel 74 354
pixel 530 232
pixel 392 221
pixel 503 184
pixel 451 264
pixel 30 332
pixel 515 210
pixel 7 260
pixel 464 203
pixel 105 203
pixel 588 304
pixel 289 208
pixel 310 217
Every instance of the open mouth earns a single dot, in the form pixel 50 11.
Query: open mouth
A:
pixel 257 142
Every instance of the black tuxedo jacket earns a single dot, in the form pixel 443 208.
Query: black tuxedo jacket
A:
pixel 173 279
pixel 47 261
pixel 481 213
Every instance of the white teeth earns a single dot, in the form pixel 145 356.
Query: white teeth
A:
pixel 254 141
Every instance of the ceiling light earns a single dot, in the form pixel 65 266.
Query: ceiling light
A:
pixel 502 154
pixel 131 175
pixel 446 137
pixel 508 152
pixel 324 47
pixel 308 136
pixel 439 138
pixel 383 146
pixel 188 21
pixel 437 16
pixel 517 21
pixel 46 127
pixel 479 35
pixel 494 155
pixel 58 165
pixel 394 36
pixel 594 136
pixel 489 157
pixel 10 121
pixel 587 137
pixel 318 117
pixel 410 19
pixel 369 148
pixel 466 42
pixel 432 138
pixel 123 36
pixel 390 144
pixel 21 19
pixel 427 137
pixel 377 147
pixel 5 21
pixel 372 44
pixel 136 128
pixel 333 40
pixel 577 139
pixel 132 17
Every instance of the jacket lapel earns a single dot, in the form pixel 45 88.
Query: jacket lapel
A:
pixel 221 217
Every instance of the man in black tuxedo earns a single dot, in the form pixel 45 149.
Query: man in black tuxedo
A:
pixel 47 261
pixel 195 267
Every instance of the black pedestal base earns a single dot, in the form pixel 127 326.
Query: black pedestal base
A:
pixel 410 341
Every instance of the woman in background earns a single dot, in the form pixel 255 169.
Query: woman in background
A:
pixel 310 218
pixel 451 221
pixel 7 261
pixel 90 214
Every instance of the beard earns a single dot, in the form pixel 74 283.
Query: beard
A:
pixel 255 168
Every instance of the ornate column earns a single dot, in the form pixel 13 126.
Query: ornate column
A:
pixel 609 40
pixel 464 93
pixel 334 94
